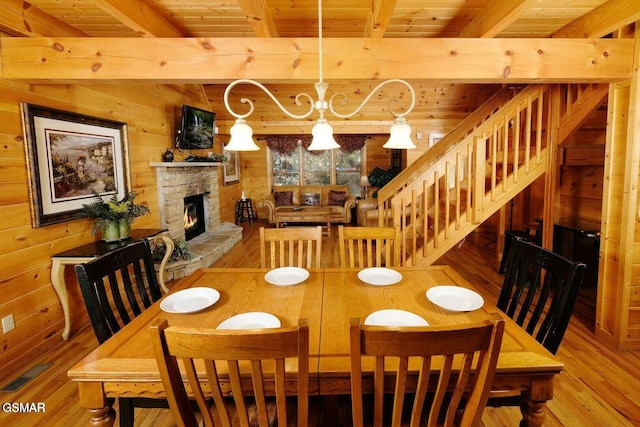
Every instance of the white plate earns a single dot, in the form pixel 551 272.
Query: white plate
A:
pixel 251 320
pixel 455 298
pixel 379 276
pixel 393 317
pixel 190 300
pixel 286 276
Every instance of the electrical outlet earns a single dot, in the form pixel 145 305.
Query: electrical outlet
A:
pixel 8 324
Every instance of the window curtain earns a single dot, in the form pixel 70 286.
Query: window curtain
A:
pixel 286 144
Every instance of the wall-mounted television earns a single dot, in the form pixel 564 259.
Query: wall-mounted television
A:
pixel 197 128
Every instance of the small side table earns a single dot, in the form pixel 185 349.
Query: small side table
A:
pixel 93 250
pixel 244 211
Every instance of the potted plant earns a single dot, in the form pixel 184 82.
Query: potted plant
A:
pixel 379 177
pixel 114 217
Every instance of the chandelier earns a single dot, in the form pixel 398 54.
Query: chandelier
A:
pixel 322 132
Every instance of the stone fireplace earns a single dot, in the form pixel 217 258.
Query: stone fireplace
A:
pixel 178 181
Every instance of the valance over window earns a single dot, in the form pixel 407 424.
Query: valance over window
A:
pixel 286 144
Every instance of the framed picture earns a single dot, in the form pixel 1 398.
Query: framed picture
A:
pixel 434 138
pixel 231 168
pixel 71 158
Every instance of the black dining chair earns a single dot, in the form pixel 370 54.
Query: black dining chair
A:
pixel 116 288
pixel 539 292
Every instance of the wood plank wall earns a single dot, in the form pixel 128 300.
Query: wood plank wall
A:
pixel 152 113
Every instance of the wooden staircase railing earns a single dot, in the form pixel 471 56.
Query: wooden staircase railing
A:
pixel 472 172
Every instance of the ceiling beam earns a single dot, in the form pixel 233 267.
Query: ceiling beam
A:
pixel 259 17
pixel 140 16
pixel 602 20
pixel 379 17
pixel 495 17
pixel 221 60
pixel 23 19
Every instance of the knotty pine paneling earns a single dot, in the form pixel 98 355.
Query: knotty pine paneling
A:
pixel 255 177
pixel 377 155
pixel 582 181
pixel 152 113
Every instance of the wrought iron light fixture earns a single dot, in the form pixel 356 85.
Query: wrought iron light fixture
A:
pixel 242 134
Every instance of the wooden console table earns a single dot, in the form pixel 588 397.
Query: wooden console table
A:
pixel 305 214
pixel 93 250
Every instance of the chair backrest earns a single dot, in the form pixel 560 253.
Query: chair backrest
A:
pixel 290 247
pixel 539 291
pixel 244 359
pixel 369 246
pixel 444 370
pixel 118 286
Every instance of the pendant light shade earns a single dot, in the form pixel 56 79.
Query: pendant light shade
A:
pixel 241 137
pixel 400 135
pixel 323 136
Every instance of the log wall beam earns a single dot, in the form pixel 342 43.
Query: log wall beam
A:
pixel 602 20
pixel 379 18
pixel 259 17
pixel 23 19
pixel 495 17
pixel 220 60
pixel 140 16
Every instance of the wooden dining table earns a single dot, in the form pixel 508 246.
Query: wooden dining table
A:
pixel 124 366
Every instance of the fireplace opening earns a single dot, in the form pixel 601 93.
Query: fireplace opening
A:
pixel 194 220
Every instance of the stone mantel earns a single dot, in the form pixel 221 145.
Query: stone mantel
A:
pixel 184 164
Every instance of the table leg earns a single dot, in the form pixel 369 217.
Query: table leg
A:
pixel 57 280
pixel 102 417
pixel 92 398
pixel 534 401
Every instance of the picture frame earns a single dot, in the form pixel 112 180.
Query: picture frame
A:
pixel 435 138
pixel 71 158
pixel 231 169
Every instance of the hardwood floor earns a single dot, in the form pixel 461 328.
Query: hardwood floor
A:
pixel 600 386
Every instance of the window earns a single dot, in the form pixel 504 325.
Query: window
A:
pixel 348 169
pixel 329 167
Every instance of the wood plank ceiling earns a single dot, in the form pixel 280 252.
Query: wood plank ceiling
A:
pixel 248 20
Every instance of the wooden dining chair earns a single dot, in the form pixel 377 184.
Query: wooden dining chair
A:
pixel 450 362
pixel 539 291
pixel 117 287
pixel 369 246
pixel 234 360
pixel 290 247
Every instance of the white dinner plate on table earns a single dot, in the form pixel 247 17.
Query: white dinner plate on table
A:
pixel 455 298
pixel 392 317
pixel 379 276
pixel 190 300
pixel 250 320
pixel 286 276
